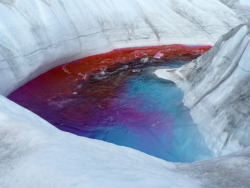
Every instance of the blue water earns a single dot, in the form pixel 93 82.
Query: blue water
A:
pixel 169 131
pixel 146 113
pixel 127 106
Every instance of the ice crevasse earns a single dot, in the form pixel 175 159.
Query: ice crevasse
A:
pixel 36 36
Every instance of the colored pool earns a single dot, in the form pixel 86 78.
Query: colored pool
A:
pixel 123 103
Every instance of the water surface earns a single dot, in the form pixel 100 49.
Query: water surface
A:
pixel 125 104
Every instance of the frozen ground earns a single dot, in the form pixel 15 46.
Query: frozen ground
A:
pixel 38 35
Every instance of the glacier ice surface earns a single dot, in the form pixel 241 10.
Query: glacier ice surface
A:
pixel 38 35
pixel 216 87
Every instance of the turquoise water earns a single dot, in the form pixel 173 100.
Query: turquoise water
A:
pixel 128 106
pixel 156 121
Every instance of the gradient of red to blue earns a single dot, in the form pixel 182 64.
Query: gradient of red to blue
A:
pixel 113 97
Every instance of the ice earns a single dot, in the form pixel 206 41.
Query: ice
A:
pixel 36 154
pixel 40 34
pixel 216 87
pixel 56 32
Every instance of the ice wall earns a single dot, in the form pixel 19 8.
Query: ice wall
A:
pixel 40 34
pixel 217 89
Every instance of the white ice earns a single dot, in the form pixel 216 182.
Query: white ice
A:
pixel 216 88
pixel 40 34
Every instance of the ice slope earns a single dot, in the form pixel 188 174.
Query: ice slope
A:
pixel 241 7
pixel 40 34
pixel 217 89
pixel 35 154
pixel 37 35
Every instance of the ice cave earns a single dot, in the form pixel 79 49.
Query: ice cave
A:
pixel 125 93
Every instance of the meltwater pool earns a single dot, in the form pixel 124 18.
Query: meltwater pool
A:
pixel 125 104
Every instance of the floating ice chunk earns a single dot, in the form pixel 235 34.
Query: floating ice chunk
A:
pixel 158 55
pixel 144 60
pixel 64 68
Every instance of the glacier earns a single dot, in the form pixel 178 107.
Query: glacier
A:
pixel 41 34
pixel 56 32
pixel 216 89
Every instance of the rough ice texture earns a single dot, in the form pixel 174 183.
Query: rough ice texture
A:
pixel 217 89
pixel 241 7
pixel 40 34
pixel 218 92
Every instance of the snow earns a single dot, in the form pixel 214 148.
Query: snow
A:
pixel 40 34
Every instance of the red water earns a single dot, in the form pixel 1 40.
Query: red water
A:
pixel 72 98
